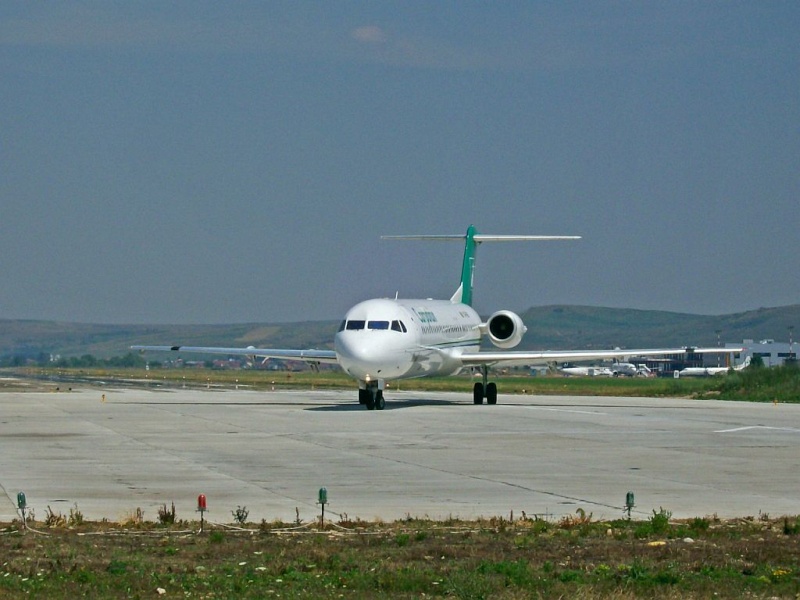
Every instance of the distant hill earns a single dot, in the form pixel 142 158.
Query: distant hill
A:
pixel 549 327
pixel 31 338
pixel 579 327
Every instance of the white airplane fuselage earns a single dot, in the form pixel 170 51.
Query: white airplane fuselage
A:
pixel 587 371
pixel 703 371
pixel 384 339
pixel 711 371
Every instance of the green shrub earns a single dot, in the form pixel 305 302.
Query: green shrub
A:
pixel 659 522
pixel 166 516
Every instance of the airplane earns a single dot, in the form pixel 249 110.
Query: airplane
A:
pixel 616 369
pixel 628 369
pixel 710 371
pixel 586 371
pixel 385 339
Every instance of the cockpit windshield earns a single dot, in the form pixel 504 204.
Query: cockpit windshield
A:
pixel 359 324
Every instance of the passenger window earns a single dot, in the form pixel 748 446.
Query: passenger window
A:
pixel 378 325
pixel 354 325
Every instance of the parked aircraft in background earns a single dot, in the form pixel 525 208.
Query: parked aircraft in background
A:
pixel 585 371
pixel 615 369
pixel 384 339
pixel 710 371
pixel 629 369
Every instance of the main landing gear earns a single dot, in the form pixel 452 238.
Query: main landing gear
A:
pixel 372 397
pixel 484 389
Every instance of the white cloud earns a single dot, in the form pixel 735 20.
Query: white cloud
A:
pixel 370 34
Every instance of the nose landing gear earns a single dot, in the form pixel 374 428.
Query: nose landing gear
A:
pixel 372 396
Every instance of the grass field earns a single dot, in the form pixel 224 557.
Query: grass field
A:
pixel 509 384
pixel 507 557
pixel 777 384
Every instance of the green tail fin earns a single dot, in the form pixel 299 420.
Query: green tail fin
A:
pixel 464 292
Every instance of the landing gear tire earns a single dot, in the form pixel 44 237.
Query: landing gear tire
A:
pixel 372 398
pixel 477 393
pixel 491 393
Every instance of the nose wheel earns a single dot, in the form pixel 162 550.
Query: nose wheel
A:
pixel 372 397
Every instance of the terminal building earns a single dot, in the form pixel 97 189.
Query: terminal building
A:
pixel 774 354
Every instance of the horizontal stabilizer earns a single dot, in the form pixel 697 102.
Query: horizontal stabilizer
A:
pixel 472 239
pixel 480 237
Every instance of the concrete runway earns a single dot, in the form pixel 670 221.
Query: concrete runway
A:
pixel 428 454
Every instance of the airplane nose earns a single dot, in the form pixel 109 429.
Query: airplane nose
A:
pixel 355 348
pixel 363 356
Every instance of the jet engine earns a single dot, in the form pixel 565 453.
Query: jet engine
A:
pixel 505 329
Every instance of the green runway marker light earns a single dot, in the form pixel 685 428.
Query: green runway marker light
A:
pixel 323 500
pixel 629 503
pixel 22 503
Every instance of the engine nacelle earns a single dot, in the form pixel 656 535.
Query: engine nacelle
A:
pixel 505 329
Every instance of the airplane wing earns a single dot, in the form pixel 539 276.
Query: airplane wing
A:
pixel 472 359
pixel 310 356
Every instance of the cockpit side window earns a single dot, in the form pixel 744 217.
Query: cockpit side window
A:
pixel 354 325
pixel 342 324
pixel 398 326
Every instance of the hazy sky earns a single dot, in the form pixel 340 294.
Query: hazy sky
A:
pixel 213 162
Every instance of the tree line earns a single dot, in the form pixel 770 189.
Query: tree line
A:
pixel 87 361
